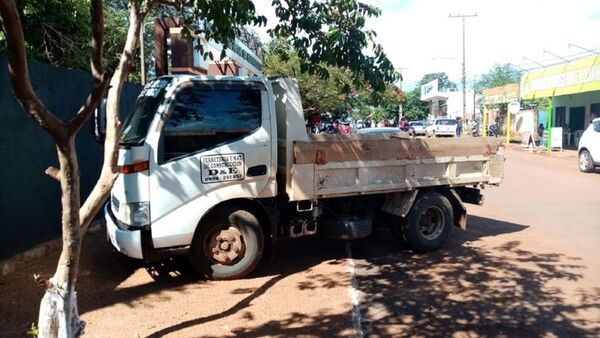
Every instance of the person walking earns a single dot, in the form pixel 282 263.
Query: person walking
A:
pixel 458 126
pixel 540 131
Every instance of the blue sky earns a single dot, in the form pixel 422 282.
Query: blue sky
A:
pixel 419 37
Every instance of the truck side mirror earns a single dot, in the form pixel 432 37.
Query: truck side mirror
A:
pixel 99 126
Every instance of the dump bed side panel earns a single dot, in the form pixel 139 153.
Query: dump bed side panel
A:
pixel 367 165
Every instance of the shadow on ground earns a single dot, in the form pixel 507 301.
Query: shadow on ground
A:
pixel 501 291
pixel 490 292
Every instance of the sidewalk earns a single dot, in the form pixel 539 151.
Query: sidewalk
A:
pixel 564 153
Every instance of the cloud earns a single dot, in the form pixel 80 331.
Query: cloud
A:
pixel 422 37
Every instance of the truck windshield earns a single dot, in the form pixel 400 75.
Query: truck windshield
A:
pixel 135 127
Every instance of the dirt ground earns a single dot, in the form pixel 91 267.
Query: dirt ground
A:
pixel 527 267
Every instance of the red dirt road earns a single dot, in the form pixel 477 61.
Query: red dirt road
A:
pixel 527 266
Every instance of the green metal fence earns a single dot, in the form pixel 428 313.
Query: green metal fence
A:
pixel 30 200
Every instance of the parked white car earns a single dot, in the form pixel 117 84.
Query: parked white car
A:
pixel 442 127
pixel 417 127
pixel 589 147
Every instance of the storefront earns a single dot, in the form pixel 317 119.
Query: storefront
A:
pixel 495 104
pixel 574 90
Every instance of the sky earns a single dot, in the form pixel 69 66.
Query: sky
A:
pixel 420 38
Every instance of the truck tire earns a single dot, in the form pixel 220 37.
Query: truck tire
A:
pixel 586 164
pixel 428 222
pixel 228 244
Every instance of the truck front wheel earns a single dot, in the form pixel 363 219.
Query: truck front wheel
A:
pixel 428 223
pixel 228 245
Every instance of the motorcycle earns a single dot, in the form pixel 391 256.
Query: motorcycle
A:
pixel 475 129
pixel 493 130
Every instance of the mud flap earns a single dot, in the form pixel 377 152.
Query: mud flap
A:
pixel 460 212
pixel 399 203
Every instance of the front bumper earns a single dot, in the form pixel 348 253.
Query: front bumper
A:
pixel 126 242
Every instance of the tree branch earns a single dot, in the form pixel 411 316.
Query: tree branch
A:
pixel 53 172
pixel 97 39
pixel 109 172
pixel 91 103
pixel 102 80
pixel 19 73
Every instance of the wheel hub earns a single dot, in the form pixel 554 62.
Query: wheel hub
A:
pixel 431 223
pixel 226 246
pixel 583 161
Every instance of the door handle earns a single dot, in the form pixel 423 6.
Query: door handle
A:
pixel 257 170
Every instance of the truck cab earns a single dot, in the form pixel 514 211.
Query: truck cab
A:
pixel 193 146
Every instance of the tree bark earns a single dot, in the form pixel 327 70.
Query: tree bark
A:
pixel 110 170
pixel 59 315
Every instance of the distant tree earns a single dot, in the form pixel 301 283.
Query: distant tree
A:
pixel 444 83
pixel 319 94
pixel 336 92
pixel 414 108
pixel 376 105
pixel 499 75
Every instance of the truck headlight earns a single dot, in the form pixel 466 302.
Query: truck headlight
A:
pixel 135 215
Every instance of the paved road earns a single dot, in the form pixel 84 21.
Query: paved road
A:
pixel 527 266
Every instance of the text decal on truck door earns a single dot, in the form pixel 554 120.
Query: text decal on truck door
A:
pixel 222 168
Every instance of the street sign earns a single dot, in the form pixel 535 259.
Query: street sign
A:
pixel 514 106
pixel 556 138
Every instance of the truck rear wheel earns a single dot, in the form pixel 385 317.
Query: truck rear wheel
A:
pixel 428 223
pixel 228 245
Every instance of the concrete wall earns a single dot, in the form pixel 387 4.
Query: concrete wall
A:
pixel 30 202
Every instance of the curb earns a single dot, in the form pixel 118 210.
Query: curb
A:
pixel 564 153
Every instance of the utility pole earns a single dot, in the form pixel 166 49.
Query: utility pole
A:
pixel 464 74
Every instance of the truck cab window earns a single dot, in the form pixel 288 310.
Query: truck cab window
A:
pixel 205 115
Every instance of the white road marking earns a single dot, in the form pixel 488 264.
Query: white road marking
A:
pixel 354 294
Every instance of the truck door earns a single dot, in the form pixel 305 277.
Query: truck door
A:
pixel 214 145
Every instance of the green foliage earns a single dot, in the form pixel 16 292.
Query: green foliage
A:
pixel 221 21
pixel 414 108
pixel 57 31
pixel 318 94
pixel 500 75
pixel 34 331
pixel 444 83
pixel 326 35
pixel 337 93
pixel 333 33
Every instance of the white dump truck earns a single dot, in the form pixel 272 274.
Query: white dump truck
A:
pixel 220 168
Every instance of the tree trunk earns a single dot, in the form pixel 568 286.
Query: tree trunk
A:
pixel 59 316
